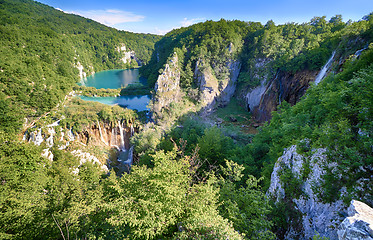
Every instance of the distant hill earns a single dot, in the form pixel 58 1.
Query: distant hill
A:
pixel 41 49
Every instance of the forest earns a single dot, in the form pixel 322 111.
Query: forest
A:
pixel 190 179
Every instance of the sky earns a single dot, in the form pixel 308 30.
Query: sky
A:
pixel 160 17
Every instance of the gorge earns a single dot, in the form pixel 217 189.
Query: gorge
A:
pixel 228 130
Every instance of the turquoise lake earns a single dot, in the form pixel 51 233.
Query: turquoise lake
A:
pixel 113 79
pixel 132 102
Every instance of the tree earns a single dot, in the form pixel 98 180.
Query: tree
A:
pixel 165 201
pixel 247 207
pixel 214 146
pixel 23 181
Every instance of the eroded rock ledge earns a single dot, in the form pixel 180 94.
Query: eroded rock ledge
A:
pixel 359 223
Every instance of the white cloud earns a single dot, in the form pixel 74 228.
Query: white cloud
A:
pixel 110 17
pixel 161 31
pixel 187 22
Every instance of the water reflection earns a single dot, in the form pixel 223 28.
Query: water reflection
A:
pixel 137 102
pixel 114 79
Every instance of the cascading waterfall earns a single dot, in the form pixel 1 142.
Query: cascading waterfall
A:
pixel 130 153
pixel 37 137
pixel 130 150
pixel 323 71
pixel 125 156
pixel 101 136
pixel 113 137
pixel 83 81
pixel 121 135
pixel 132 130
pixel 130 156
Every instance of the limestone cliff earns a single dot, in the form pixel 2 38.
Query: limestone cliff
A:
pixel 261 100
pixel 128 55
pixel 216 92
pixel 167 88
pixel 304 176
pixel 99 133
pixel 285 86
pixel 104 134
pixel 289 87
pixel 315 215
pixel 251 93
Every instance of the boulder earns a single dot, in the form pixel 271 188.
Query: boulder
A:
pixel 359 223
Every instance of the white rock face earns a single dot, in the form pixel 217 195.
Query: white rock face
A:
pixel 127 55
pixel 254 96
pixel 84 157
pixel 359 224
pixel 316 215
pixel 214 91
pixel 80 67
pixel 47 154
pixel 167 87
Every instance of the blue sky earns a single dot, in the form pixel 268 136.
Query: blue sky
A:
pixel 159 17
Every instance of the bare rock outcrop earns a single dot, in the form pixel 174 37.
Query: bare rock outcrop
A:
pixel 315 215
pixel 128 55
pixel 213 91
pixel 282 86
pixel 289 87
pixel 359 223
pixel 167 88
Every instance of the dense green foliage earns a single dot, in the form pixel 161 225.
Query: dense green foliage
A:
pixel 62 199
pixel 80 114
pixel 262 50
pixel 191 180
pixel 208 42
pixel 40 49
pixel 335 115
pixel 38 196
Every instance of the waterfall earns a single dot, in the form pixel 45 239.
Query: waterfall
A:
pixel 113 137
pixel 281 89
pixel 121 135
pixel 49 140
pixel 130 156
pixel 62 134
pixel 37 138
pixel 101 136
pixel 132 130
pixel 358 53
pixel 323 71
pixel 24 138
pixel 125 155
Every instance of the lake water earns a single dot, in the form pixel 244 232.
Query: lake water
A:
pixel 114 79
pixel 132 102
